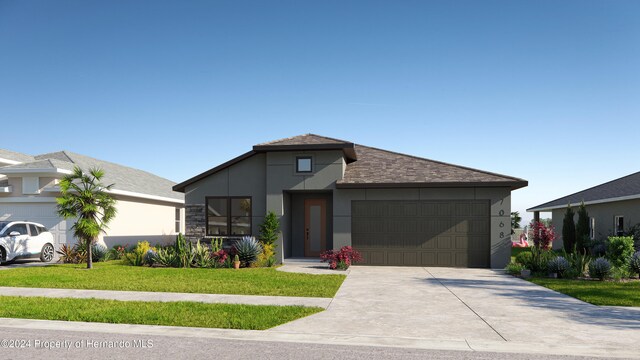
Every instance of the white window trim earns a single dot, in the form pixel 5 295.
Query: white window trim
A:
pixel 615 224
pixel 592 228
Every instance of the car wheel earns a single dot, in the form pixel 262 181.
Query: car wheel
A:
pixel 3 256
pixel 47 253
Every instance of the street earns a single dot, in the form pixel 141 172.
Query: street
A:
pixel 47 344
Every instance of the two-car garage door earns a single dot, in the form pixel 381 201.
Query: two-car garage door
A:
pixel 43 213
pixel 422 233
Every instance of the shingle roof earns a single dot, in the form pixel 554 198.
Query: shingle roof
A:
pixel 626 186
pixel 371 167
pixel 306 139
pixel 382 168
pixel 125 178
pixel 15 156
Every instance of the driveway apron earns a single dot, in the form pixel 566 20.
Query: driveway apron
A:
pixel 395 302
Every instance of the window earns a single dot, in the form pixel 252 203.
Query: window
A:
pixel 21 228
pixel 619 225
pixel 178 220
pixel 592 228
pixel 303 164
pixel 228 216
pixel 33 230
pixel 30 185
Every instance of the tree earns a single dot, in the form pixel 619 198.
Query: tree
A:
pixel 269 229
pixel 543 235
pixel 85 198
pixel 515 221
pixel 568 230
pixel 582 229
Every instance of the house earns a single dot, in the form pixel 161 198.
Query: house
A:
pixel 147 207
pixel 395 209
pixel 613 207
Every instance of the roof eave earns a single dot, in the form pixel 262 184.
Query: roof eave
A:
pixel 544 208
pixel 511 184
pixel 347 148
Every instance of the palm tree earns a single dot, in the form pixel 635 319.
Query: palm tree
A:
pixel 85 198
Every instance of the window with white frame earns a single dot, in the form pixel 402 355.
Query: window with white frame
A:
pixel 30 185
pixel 592 228
pixel 178 219
pixel 619 225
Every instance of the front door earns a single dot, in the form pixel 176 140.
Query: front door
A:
pixel 315 227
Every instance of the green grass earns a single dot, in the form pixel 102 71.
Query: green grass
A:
pixel 596 292
pixel 115 276
pixel 192 314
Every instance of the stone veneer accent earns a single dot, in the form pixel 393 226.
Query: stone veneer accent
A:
pixel 196 222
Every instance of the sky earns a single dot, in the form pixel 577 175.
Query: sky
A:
pixel 547 91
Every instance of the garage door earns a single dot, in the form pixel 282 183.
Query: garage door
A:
pixel 422 233
pixel 43 213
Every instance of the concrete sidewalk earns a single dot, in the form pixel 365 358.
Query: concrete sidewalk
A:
pixel 167 297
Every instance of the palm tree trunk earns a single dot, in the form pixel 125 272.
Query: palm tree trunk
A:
pixel 89 254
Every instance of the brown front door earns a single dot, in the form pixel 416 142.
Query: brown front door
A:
pixel 315 227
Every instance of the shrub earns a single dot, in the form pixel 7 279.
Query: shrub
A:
pixel 117 252
pixel 619 250
pixel 269 229
pixel 247 249
pixel 558 265
pixel 514 268
pixel 634 263
pixel 542 235
pixel 341 259
pixel 219 258
pixel 201 255
pixel 582 229
pixel 216 244
pixel 184 251
pixel 540 260
pixel 138 256
pixel 634 232
pixel 597 247
pixel 599 268
pixel 100 253
pixel 267 257
pixel 619 273
pixel 568 230
pixel 524 258
pixel 166 257
pixel 71 254
pixel 578 261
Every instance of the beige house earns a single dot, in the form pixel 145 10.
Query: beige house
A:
pixel 147 207
pixel 613 208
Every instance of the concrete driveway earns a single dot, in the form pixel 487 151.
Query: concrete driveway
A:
pixel 479 306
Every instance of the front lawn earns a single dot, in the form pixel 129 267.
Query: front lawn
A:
pixel 113 275
pixel 596 292
pixel 192 314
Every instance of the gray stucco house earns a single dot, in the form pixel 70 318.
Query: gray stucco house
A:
pixel 613 207
pixel 395 209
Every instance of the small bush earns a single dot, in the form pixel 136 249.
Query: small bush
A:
pixel 600 268
pixel 341 259
pixel 524 259
pixel 540 259
pixel 514 268
pixel 619 273
pixel 219 258
pixel 634 263
pixel 578 261
pixel 267 257
pixel 558 265
pixel 138 256
pixel 619 250
pixel 166 257
pixel 248 249
pixel 269 229
pixel 201 255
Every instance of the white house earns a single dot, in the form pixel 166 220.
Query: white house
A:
pixel 148 208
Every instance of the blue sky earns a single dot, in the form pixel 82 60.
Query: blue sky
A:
pixel 548 91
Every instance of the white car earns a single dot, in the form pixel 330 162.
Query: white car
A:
pixel 24 240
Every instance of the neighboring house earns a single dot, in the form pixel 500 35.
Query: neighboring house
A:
pixel 395 209
pixel 147 207
pixel 613 207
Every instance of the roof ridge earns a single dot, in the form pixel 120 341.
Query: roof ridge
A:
pixel 302 135
pixel 443 163
pixel 581 191
pixel 327 137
